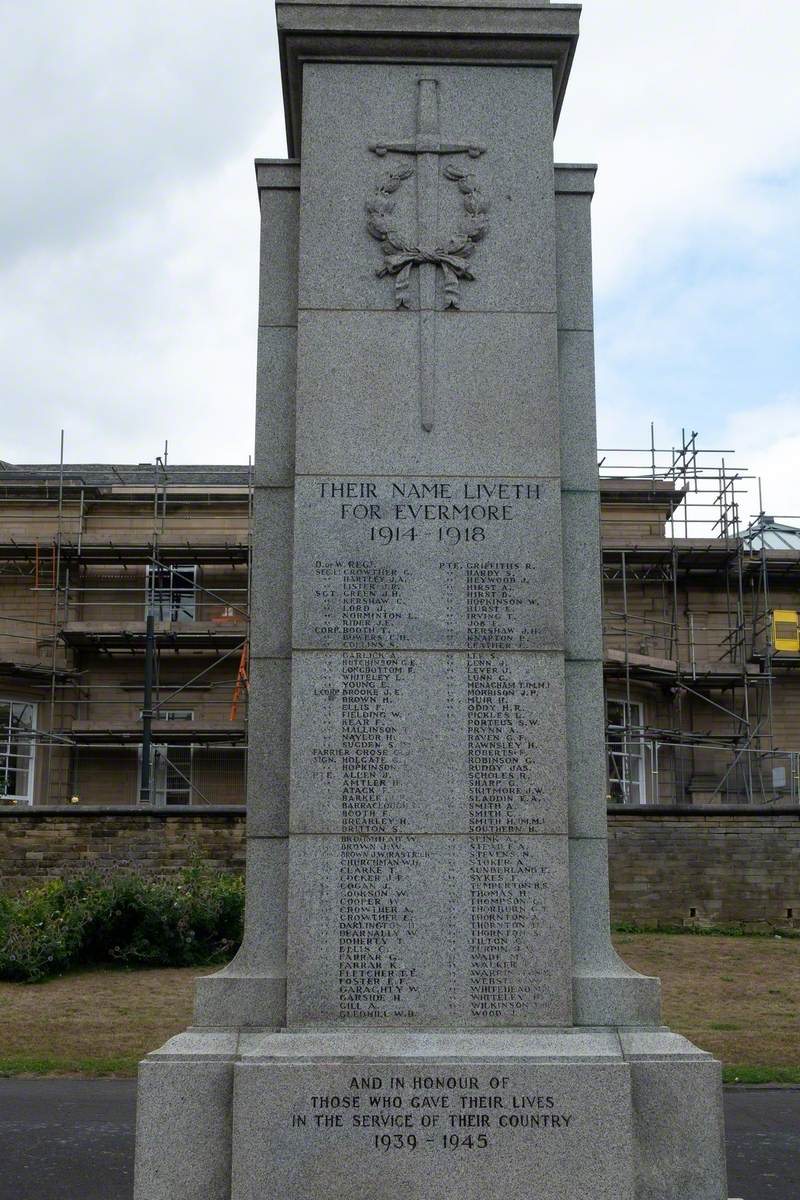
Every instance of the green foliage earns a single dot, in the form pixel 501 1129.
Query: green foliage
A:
pixel 761 1075
pixel 738 931
pixel 191 920
pixel 89 1068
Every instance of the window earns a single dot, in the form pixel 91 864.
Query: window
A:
pixel 625 752
pixel 171 592
pixel 17 750
pixel 170 774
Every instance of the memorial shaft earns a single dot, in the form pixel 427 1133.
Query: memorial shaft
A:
pixel 426 1001
pixel 428 806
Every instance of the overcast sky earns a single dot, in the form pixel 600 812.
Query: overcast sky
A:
pixel 129 225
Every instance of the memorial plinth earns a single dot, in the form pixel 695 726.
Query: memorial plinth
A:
pixel 427 1002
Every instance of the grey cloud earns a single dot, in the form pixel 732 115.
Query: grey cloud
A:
pixel 129 217
pixel 112 103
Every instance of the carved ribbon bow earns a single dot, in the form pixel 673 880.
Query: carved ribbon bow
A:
pixel 399 264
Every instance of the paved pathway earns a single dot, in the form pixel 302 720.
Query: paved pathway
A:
pixel 762 1126
pixel 72 1139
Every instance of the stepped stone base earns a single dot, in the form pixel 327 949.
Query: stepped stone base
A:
pixel 589 1114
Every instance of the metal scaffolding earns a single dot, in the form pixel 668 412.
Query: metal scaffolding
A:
pixel 147 568
pixel 688 633
pixel 106 562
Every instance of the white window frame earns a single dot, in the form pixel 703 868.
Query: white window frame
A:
pixel 627 751
pixel 6 750
pixel 169 598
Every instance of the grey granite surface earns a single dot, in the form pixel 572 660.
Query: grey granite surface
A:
pixel 568 1044
pixel 428 930
pixel 269 732
pixel 276 378
pixel 580 531
pixel 679 1144
pixel 280 218
pixel 358 401
pixel 416 742
pixel 348 109
pixel 422 742
pixel 574 261
pixel 271 572
pixel 514 34
pixel 605 990
pixel 429 1128
pixel 251 989
pixel 183 1121
pixel 586 749
pixel 442 562
pixel 575 178
pixel 578 421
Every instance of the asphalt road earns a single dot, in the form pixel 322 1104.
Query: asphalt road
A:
pixel 72 1139
pixel 66 1139
pixel 762 1127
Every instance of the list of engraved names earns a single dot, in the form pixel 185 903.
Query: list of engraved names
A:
pixel 428 739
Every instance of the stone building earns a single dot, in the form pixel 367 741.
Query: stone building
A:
pixel 700 624
pixel 701 647
pixel 87 553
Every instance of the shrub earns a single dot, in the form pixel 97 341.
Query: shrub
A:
pixel 191 920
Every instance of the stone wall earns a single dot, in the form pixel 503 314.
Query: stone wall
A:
pixel 668 866
pixel 709 866
pixel 44 843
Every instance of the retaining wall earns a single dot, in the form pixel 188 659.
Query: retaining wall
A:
pixel 667 866
pixel 44 843
pixel 719 866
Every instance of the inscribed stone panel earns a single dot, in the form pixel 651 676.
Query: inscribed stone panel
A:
pixel 427 563
pixel 429 930
pixel 392 742
pixel 400 1130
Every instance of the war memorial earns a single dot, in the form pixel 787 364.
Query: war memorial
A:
pixel 427 1003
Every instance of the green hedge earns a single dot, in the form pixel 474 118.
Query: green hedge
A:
pixel 191 920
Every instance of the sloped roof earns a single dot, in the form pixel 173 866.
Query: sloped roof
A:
pixel 126 474
pixel 769 534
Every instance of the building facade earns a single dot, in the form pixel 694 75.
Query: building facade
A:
pixel 124 600
pixel 701 650
pixel 109 573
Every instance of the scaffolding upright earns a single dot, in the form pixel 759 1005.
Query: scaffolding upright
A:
pixel 691 664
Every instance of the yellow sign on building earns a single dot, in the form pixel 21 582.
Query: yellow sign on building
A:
pixel 786 630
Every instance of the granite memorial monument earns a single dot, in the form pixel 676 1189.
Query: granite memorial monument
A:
pixel 427 1002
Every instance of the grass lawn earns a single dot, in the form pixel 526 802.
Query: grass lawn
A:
pixel 738 997
pixel 92 1022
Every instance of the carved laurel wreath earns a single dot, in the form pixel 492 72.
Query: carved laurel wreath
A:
pixel 400 255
